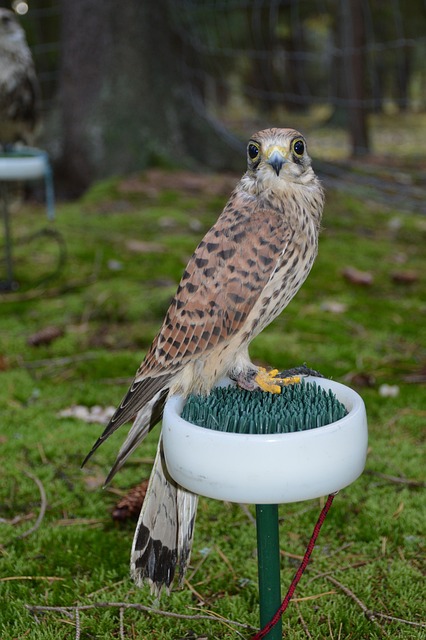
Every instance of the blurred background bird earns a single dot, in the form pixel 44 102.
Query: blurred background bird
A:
pixel 19 88
pixel 243 273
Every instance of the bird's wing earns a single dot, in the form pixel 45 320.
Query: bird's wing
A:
pixel 220 285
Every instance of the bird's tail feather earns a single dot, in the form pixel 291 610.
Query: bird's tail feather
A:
pixel 164 533
pixel 146 418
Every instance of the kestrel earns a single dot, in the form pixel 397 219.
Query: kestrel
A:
pixel 19 88
pixel 243 273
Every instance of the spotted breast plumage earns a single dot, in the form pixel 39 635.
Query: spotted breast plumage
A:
pixel 243 273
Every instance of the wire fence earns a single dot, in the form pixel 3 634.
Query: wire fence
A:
pixel 254 59
pixel 42 24
pixel 297 53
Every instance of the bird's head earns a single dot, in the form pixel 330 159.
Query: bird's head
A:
pixel 276 156
pixel 10 29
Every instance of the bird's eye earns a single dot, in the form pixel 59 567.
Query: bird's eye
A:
pixel 253 150
pixel 299 147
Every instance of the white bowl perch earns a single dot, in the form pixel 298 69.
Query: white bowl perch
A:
pixel 268 469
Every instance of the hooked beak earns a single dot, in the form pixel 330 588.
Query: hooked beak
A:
pixel 276 157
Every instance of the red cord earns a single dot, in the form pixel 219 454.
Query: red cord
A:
pixel 266 629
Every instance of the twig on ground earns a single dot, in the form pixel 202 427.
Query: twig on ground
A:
pixel 351 595
pixel 17 519
pixel 43 506
pixel 226 560
pixel 302 620
pixel 77 625
pixel 109 586
pixel 42 453
pixel 396 479
pixel 58 362
pixel 49 578
pixel 385 616
pixel 329 627
pixel 121 610
pixel 324 574
pixel 228 623
pixel 366 611
pixel 199 597
pixel 138 607
pixel 248 513
pixel 370 613
pixel 197 566
pixel 88 522
pixel 33 294
pixel 315 596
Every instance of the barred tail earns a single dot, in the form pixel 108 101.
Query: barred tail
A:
pixel 164 533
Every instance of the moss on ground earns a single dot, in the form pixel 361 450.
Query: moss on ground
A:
pixel 127 246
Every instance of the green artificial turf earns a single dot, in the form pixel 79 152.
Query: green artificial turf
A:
pixel 298 407
pixel 127 245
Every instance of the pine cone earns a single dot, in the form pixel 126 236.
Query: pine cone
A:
pixel 45 336
pixel 130 505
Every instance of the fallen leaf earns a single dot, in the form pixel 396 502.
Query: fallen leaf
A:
pixel 405 277
pixel 139 246
pixel 96 413
pixel 333 306
pixel 361 379
pixel 354 276
pixel 388 390
pixel 45 336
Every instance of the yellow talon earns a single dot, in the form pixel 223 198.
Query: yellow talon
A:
pixel 290 380
pixel 268 381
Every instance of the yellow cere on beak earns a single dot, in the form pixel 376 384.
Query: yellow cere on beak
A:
pixel 276 157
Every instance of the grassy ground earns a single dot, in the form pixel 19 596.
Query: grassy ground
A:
pixel 128 241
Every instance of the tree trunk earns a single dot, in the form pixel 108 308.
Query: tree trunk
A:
pixel 352 24
pixel 125 100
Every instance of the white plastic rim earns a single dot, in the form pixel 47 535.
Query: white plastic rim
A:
pixel 268 469
pixel 22 167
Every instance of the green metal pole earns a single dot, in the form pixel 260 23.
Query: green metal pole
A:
pixel 268 560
